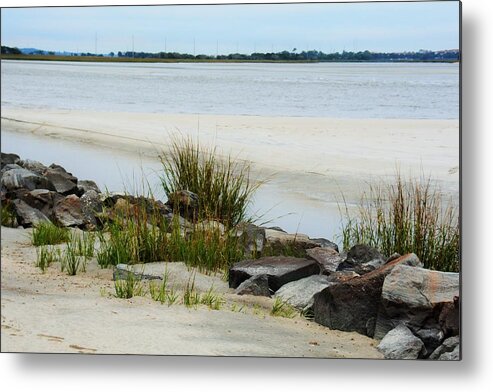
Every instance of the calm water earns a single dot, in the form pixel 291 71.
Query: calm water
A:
pixel 344 90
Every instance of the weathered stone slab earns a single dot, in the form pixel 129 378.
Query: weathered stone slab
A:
pixel 63 182
pixel 449 350
pixel 68 212
pixel 279 269
pixel 362 259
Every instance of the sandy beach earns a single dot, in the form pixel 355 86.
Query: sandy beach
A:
pixel 309 158
pixel 56 313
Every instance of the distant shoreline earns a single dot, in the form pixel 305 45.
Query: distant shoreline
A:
pixel 184 60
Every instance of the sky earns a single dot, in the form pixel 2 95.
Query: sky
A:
pixel 223 29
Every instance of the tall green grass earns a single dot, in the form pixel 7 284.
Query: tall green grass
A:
pixel 407 216
pixel 223 185
pixel 46 233
pixel 8 216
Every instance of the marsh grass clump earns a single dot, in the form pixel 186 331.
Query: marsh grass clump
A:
pixel 129 287
pixel 46 233
pixel 223 185
pixel 46 255
pixel 71 261
pixel 84 244
pixel 191 298
pixel 407 216
pixel 281 308
pixel 8 216
pixel 164 292
pixel 212 299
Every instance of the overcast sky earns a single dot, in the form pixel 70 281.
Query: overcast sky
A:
pixel 228 28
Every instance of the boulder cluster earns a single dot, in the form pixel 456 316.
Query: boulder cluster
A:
pixel 413 311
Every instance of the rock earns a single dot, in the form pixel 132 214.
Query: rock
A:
pixel 279 269
pixel 184 202
pixel 34 166
pixel 342 276
pixel 252 237
pixel 10 166
pixel 257 285
pixel 122 271
pixel 324 243
pixel 26 179
pixel 87 185
pixel 6 159
pixel 327 258
pixel 276 228
pixel 65 173
pixel 448 350
pixel 300 293
pixel 449 318
pixel 362 259
pixel 393 256
pixel 400 343
pixel 41 199
pixel 26 215
pixel 68 212
pixel 63 182
pixel 353 305
pixel 151 206
pixel 278 242
pixel 92 207
pixel 431 338
pixel 416 296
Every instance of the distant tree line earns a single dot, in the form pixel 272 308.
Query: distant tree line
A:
pixel 294 55
pixel 311 55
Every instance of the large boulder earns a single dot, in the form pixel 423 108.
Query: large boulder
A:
pixel 25 179
pixel 279 270
pixel 327 258
pixel 257 285
pixel 27 216
pixel 353 305
pixel 92 208
pixel 449 350
pixel 68 212
pixel 416 297
pixel 362 259
pixel 400 343
pixel 300 293
pixel 64 183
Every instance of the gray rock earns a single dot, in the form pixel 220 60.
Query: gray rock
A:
pixel 87 185
pixel 7 158
pixel 41 199
pixel 400 343
pixel 9 166
pixel 325 243
pixel 353 305
pixel 342 276
pixel 25 179
pixel 252 237
pixel 68 212
pixel 278 242
pixel 92 207
pixel 416 296
pixel 431 338
pixel 184 202
pixel 63 182
pixel 300 293
pixel 279 269
pixel 26 215
pixel 362 259
pixel 31 165
pixel 327 258
pixel 256 285
pixel 448 350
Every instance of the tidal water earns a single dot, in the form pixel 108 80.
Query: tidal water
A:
pixel 341 90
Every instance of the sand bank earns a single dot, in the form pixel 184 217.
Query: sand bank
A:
pixel 56 313
pixel 322 146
